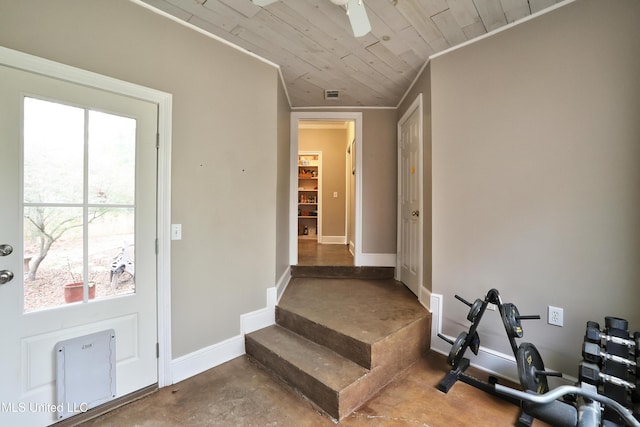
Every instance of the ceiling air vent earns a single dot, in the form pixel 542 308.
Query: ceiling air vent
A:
pixel 331 94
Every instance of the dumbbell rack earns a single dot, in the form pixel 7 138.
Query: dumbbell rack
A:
pixel 610 363
pixel 510 318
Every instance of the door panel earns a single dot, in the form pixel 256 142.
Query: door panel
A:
pixel 86 175
pixel 410 237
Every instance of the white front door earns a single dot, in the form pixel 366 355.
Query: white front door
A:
pixel 410 197
pixel 78 189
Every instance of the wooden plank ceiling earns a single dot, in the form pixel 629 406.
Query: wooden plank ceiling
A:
pixel 312 40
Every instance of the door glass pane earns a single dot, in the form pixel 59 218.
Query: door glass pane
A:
pixel 79 212
pixel 112 151
pixel 53 248
pixel 112 251
pixel 53 152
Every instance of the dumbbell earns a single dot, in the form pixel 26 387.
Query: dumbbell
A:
pixel 611 322
pixel 474 309
pixel 592 353
pixel 590 374
pixel 594 335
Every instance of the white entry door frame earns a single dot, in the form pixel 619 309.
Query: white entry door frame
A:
pixel 409 264
pixel 296 117
pixel 30 63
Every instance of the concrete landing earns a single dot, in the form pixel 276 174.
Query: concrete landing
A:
pixel 339 341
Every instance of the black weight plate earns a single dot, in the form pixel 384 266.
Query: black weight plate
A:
pixel 474 343
pixel 456 353
pixel 474 311
pixel 529 362
pixel 511 322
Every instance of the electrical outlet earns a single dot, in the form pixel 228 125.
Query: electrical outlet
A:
pixel 556 316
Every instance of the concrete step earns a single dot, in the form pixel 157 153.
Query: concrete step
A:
pixel 339 341
pixel 371 322
pixel 342 272
pixel 330 381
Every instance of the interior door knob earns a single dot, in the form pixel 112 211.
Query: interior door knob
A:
pixel 415 213
pixel 5 276
pixel 5 250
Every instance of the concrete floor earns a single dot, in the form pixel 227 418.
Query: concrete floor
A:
pixel 240 393
pixel 312 253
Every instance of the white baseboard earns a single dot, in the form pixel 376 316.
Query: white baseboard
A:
pixel 377 260
pixel 209 357
pixel 334 240
pixel 206 358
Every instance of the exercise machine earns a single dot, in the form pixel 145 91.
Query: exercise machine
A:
pixel 608 391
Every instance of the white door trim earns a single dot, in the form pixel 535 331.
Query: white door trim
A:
pixel 415 105
pixel 34 64
pixel 293 191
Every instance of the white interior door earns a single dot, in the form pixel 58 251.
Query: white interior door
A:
pixel 410 197
pixel 78 170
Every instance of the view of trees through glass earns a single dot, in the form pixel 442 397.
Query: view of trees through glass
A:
pixel 79 204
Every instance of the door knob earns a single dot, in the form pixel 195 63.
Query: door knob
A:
pixel 5 250
pixel 5 276
pixel 415 213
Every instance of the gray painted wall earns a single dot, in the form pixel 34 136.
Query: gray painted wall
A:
pixel 379 177
pixel 226 189
pixel 536 184
pixel 283 177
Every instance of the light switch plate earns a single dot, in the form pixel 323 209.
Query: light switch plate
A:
pixel 176 231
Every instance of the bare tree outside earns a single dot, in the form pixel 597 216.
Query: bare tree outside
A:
pixel 51 225
pixel 79 195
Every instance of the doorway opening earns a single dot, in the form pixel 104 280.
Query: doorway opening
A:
pixel 325 176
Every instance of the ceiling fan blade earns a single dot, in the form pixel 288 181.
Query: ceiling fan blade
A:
pixel 358 17
pixel 263 2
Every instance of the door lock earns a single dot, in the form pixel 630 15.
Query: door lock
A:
pixel 5 250
pixel 5 276
pixel 415 213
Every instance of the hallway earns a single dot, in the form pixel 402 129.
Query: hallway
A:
pixel 312 253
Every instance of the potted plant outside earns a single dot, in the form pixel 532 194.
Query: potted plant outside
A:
pixel 74 291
